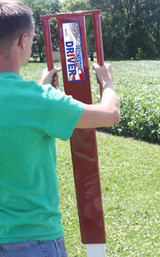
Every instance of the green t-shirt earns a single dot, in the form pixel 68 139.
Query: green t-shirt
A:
pixel 31 117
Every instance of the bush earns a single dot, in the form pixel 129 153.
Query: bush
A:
pixel 140 111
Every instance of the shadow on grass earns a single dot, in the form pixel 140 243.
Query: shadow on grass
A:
pixel 129 135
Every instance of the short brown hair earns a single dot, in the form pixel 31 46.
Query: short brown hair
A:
pixel 15 19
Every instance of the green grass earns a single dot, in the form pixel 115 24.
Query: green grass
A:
pixel 137 71
pixel 130 173
pixel 133 71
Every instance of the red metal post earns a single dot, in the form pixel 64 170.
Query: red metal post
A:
pixel 48 44
pixel 98 38
pixel 99 43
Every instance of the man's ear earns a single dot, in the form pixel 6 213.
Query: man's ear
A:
pixel 23 40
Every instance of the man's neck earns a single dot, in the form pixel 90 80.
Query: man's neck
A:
pixel 9 63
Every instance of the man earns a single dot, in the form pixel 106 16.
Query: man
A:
pixel 32 115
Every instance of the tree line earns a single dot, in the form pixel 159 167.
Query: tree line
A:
pixel 130 28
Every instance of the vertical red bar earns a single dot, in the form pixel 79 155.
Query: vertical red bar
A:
pixel 84 150
pixel 48 44
pixel 99 43
pixel 98 39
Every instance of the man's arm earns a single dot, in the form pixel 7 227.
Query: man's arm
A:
pixel 107 112
pixel 104 114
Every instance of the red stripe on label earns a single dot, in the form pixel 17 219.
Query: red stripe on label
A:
pixel 70 55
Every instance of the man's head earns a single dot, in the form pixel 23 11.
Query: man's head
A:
pixel 16 20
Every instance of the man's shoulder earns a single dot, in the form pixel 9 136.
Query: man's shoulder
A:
pixel 35 88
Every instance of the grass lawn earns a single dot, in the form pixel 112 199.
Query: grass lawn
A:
pixel 131 70
pixel 130 173
pixel 135 71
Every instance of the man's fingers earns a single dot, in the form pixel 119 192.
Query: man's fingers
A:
pixel 55 80
pixel 54 76
pixel 95 66
pixel 98 81
pixel 48 76
pixel 54 71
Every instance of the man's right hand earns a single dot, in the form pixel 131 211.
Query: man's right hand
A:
pixel 104 74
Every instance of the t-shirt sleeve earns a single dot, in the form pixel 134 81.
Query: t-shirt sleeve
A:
pixel 61 115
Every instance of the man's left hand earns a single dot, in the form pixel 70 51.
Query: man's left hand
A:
pixel 50 77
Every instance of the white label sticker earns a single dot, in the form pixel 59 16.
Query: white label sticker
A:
pixel 73 51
